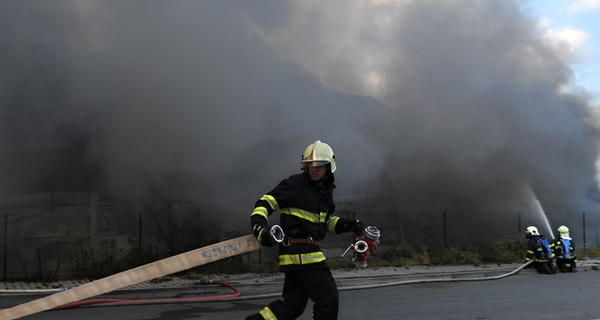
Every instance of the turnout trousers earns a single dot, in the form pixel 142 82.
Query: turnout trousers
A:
pixel 547 267
pixel 565 265
pixel 298 286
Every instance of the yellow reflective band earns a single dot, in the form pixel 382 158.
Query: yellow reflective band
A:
pixel 267 314
pixel 302 214
pixel 303 258
pixel 272 202
pixel 333 220
pixel 260 233
pixel 288 259
pixel 322 217
pixel 262 211
pixel 313 257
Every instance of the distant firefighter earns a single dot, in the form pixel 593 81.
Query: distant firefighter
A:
pixel 564 250
pixel 538 250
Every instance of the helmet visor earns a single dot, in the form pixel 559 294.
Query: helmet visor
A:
pixel 314 163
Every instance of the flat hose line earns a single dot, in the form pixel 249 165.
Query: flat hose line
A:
pixel 236 296
pixel 393 283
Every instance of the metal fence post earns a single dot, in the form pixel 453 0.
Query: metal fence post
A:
pixel 140 230
pixel 519 224
pixel 5 244
pixel 445 239
pixel 583 230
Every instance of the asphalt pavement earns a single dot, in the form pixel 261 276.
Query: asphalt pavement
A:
pixel 253 290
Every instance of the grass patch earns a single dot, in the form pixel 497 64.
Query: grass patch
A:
pixel 404 254
pixel 161 280
pixel 232 265
pixel 589 253
pixel 106 259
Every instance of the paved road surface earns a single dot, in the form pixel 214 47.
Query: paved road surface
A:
pixel 527 295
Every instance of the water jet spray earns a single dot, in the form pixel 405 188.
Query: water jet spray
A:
pixel 538 206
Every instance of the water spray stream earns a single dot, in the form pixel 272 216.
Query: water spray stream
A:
pixel 538 205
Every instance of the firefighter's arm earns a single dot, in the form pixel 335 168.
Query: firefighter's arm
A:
pixel 272 201
pixel 267 235
pixel 529 255
pixel 530 252
pixel 340 225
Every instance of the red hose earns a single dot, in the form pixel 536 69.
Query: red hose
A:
pixel 97 301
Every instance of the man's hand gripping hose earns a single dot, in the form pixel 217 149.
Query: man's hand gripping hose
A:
pixel 277 233
pixel 269 235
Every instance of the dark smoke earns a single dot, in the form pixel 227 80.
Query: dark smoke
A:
pixel 481 121
pixel 430 105
pixel 136 97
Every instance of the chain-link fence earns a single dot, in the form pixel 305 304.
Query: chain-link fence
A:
pixel 65 234
pixel 53 235
pixel 467 227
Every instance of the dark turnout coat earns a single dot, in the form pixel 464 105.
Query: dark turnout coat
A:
pixel 306 210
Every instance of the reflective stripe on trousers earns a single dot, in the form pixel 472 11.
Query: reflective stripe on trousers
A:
pixel 301 258
pixel 267 314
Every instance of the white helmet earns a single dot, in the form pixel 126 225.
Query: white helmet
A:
pixel 563 232
pixel 318 154
pixel 532 231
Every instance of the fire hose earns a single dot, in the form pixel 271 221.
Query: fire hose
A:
pixel 237 296
pixel 363 247
pixel 344 288
pixel 235 293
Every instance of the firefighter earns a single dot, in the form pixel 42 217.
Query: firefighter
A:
pixel 306 208
pixel 539 251
pixel 564 250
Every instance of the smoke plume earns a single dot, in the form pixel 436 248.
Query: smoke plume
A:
pixel 431 105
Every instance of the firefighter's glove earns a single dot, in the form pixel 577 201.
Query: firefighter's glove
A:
pixel 267 235
pixel 356 226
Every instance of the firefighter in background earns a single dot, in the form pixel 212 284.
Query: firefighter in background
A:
pixel 306 208
pixel 539 251
pixel 564 250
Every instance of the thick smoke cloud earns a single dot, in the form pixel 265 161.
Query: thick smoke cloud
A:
pixel 482 122
pixel 176 97
pixel 431 106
